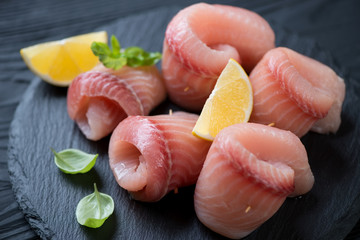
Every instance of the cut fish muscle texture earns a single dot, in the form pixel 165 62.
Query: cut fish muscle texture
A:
pixel 295 92
pixel 200 40
pixel 152 155
pixel 99 99
pixel 249 171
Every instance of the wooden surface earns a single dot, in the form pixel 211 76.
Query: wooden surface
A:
pixel 48 197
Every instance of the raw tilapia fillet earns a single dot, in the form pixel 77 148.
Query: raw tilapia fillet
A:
pixel 296 93
pixel 152 155
pixel 248 173
pixel 99 99
pixel 198 43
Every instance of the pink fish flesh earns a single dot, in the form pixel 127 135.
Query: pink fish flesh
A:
pixel 99 99
pixel 152 155
pixel 248 173
pixel 198 43
pixel 295 92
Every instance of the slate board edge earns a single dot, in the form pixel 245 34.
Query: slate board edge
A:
pixel 18 180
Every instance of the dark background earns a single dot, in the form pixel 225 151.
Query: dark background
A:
pixel 334 24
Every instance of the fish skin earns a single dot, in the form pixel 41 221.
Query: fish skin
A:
pixel 249 171
pixel 99 99
pixel 295 92
pixel 152 155
pixel 200 40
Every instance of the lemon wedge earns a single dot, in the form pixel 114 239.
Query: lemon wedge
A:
pixel 59 62
pixel 230 102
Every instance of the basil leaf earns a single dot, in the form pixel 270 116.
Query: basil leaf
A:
pixel 134 51
pixel 113 62
pixel 100 48
pixel 115 45
pixel 152 58
pixel 116 57
pixel 94 209
pixel 135 56
pixel 74 161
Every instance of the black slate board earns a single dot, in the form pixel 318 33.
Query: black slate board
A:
pixel 49 197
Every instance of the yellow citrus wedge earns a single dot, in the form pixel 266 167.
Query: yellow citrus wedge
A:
pixel 59 62
pixel 230 102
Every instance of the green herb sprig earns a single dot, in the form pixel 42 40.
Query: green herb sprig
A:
pixel 116 57
pixel 94 209
pixel 74 161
